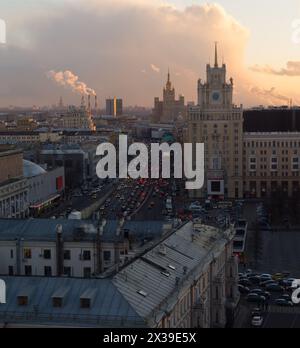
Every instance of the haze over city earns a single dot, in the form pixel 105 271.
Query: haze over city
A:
pixel 125 47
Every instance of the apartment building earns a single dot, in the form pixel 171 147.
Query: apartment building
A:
pixel 271 164
pixel 187 280
pixel 72 248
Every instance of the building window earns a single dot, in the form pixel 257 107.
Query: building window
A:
pixel 48 271
pixel 28 271
pixel 11 254
pixel 85 303
pixel 67 254
pixel 86 255
pixel 57 302
pixel 107 255
pixel 10 270
pixel 47 254
pixel 87 272
pixel 67 271
pixel 22 300
pixel 27 253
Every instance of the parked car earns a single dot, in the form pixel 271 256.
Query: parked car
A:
pixel 243 289
pixel 284 303
pixel 274 288
pixel 245 282
pixel 256 312
pixel 254 279
pixel 257 321
pixel 264 283
pixel 255 298
pixel 261 292
pixel 278 276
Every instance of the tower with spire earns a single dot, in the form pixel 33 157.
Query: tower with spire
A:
pixel 219 123
pixel 216 92
pixel 169 109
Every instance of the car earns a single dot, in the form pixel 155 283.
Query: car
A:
pixel 254 279
pixel 245 282
pixel 255 312
pixel 243 289
pixel 266 275
pixel 274 288
pixel 257 321
pixel 264 283
pixel 283 302
pixel 278 276
pixel 285 297
pixel 261 292
pixel 255 298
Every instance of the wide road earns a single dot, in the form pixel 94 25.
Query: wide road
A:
pixel 280 251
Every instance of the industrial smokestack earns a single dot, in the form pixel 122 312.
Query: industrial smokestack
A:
pixel 96 102
pixel 89 102
pixel 82 101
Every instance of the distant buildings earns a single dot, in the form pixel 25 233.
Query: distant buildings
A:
pixel 13 186
pixel 169 109
pixel 45 188
pixel 29 137
pixel 114 107
pixel 79 162
pixel 188 280
pixel 78 118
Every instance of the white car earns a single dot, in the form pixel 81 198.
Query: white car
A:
pixel 257 321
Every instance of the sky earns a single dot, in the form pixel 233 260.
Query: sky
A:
pixel 124 48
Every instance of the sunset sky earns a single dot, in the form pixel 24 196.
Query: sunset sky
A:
pixel 124 48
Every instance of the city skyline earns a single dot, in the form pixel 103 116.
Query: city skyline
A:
pixel 138 41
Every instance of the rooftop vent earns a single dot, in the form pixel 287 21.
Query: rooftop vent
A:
pixel 162 249
pixel 142 293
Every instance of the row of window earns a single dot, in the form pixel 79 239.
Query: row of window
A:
pixel 47 254
pixel 87 271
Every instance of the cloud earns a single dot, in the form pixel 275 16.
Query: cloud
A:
pixel 155 68
pixel 109 42
pixel 292 69
pixel 271 96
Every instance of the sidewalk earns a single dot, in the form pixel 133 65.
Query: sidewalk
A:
pixel 242 318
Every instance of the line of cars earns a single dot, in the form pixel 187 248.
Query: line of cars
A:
pixel 265 289
pixel 261 288
pixel 126 199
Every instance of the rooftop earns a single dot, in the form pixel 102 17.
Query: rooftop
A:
pixel 45 229
pixel 139 295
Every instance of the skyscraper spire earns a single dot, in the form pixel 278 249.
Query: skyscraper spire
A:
pixel 216 55
pixel 169 85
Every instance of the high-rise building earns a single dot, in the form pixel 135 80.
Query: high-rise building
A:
pixel 114 107
pixel 169 109
pixel 218 123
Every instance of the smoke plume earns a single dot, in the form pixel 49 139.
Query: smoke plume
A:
pixel 70 80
